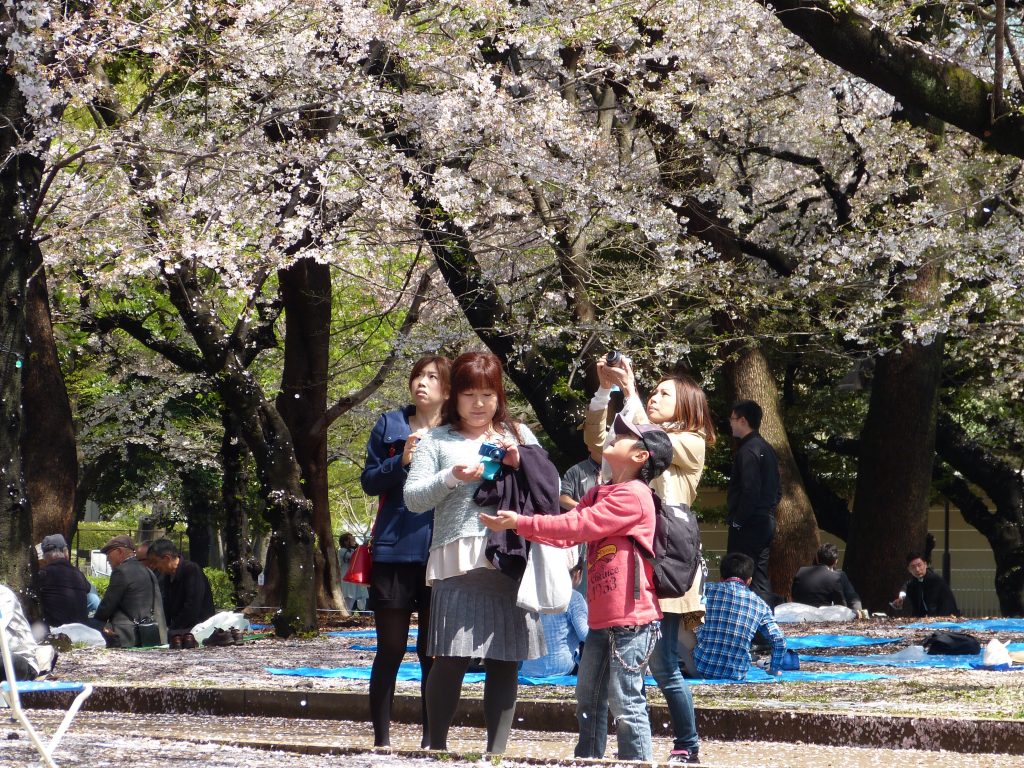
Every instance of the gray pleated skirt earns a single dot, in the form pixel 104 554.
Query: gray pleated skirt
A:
pixel 476 615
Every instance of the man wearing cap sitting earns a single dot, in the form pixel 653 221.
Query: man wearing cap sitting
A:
pixel 132 595
pixel 63 589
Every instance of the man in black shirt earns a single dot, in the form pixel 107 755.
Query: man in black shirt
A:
pixel 753 493
pixel 820 584
pixel 61 587
pixel 188 599
pixel 926 593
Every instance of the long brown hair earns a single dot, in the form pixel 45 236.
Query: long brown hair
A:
pixel 692 411
pixel 478 370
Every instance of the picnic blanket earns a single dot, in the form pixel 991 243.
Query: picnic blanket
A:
pixel 978 625
pixel 836 641
pixel 913 656
pixel 413 632
pixel 410 672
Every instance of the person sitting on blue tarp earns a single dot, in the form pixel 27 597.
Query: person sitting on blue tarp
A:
pixel 734 615
pixel 564 633
pixel 821 584
pixel 926 593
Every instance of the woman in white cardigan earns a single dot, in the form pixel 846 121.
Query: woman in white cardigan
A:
pixel 473 611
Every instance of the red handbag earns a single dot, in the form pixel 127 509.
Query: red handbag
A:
pixel 359 566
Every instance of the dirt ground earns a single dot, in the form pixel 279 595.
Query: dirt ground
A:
pixel 922 692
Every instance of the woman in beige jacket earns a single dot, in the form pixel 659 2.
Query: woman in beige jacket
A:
pixel 680 407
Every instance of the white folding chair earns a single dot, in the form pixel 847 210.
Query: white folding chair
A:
pixel 11 691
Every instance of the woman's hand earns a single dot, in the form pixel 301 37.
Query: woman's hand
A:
pixel 505 520
pixel 511 457
pixel 620 375
pixel 410 447
pixel 628 380
pixel 467 473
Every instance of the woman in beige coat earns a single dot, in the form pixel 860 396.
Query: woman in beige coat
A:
pixel 680 407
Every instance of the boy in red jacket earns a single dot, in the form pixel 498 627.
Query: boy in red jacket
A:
pixel 624 614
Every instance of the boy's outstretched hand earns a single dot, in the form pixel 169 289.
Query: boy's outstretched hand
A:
pixel 505 520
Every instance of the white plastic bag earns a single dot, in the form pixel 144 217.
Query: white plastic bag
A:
pixel 223 620
pixel 791 613
pixel 996 654
pixel 80 633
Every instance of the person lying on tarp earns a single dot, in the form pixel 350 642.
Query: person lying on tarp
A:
pixel 821 584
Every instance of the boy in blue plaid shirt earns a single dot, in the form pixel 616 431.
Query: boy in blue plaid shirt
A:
pixel 734 615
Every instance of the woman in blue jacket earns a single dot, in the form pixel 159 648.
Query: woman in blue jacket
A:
pixel 401 539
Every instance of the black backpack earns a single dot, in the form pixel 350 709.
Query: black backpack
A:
pixel 677 554
pixel 951 644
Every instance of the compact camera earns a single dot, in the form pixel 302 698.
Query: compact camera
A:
pixel 491 459
pixel 613 359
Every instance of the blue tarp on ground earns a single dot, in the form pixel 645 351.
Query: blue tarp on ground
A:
pixel 894 660
pixel 978 625
pixel 364 633
pixel 836 641
pixel 411 673
pixel 361 647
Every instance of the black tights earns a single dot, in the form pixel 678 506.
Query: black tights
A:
pixel 392 638
pixel 501 686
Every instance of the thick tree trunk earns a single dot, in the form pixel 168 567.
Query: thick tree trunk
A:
pixel 242 565
pixel 20 176
pixel 49 448
pixel 894 472
pixel 306 295
pixel 796 534
pixel 1003 526
pixel 200 513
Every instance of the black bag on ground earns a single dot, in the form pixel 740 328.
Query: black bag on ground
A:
pixel 951 644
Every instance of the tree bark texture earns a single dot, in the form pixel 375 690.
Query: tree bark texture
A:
pixel 1003 523
pixel 905 69
pixel 20 177
pixel 200 513
pixel 796 533
pixel 894 472
pixel 242 565
pixel 288 511
pixel 306 294
pixel 49 447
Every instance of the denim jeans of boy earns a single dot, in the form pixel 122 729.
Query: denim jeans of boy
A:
pixel 665 669
pixel 611 678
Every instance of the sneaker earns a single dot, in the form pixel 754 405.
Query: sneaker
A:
pixel 189 641
pixel 175 642
pixel 683 756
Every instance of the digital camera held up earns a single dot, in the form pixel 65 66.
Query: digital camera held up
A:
pixel 491 459
pixel 614 359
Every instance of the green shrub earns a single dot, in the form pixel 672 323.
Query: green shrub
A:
pixel 222 588
pixel 100 582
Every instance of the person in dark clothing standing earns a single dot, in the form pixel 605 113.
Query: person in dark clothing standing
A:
pixel 753 493
pixel 188 598
pixel 926 593
pixel 62 588
pixel 820 584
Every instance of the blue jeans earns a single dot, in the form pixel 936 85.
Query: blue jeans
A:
pixel 611 677
pixel 665 668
